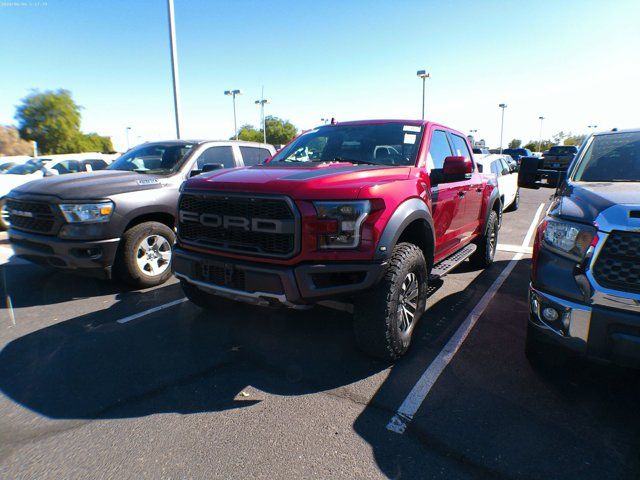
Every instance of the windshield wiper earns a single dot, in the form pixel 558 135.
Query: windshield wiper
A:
pixel 363 162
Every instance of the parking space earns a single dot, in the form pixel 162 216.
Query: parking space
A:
pixel 98 378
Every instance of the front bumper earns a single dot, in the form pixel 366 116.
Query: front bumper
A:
pixel 593 330
pixel 266 284
pixel 90 256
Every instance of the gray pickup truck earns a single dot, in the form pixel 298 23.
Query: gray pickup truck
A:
pixel 119 221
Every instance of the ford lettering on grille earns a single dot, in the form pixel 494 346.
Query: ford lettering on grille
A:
pixel 265 225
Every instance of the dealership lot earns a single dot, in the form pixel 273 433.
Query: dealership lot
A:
pixel 101 381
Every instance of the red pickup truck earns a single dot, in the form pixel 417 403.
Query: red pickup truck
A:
pixel 367 212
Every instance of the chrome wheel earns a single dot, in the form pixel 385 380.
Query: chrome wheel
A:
pixel 4 212
pixel 408 302
pixel 153 255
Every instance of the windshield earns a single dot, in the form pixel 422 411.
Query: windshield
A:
pixel 30 167
pixel 155 158
pixel 611 158
pixel 392 144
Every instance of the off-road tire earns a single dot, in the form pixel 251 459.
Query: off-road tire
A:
pixel 377 318
pixel 516 202
pixel 126 265
pixel 487 244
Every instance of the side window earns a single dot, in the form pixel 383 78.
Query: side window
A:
pixel 95 164
pixel 496 168
pixel 460 148
pixel 504 166
pixel 253 155
pixel 439 149
pixel 222 155
pixel 68 166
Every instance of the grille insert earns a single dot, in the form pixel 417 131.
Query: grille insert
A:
pixel 618 266
pixel 31 216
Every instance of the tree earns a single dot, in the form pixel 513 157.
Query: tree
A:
pixel 279 131
pixel 536 146
pixel 250 134
pixel 574 139
pixel 52 119
pixel 12 144
pixel 515 143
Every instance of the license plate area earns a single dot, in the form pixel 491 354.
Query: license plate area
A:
pixel 222 274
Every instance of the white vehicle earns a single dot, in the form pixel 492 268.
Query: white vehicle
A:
pixel 507 175
pixel 45 166
pixel 11 161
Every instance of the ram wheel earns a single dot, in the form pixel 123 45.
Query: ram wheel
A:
pixel 487 244
pixel 4 215
pixel 386 316
pixel 145 256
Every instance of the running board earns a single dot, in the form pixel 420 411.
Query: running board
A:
pixel 445 266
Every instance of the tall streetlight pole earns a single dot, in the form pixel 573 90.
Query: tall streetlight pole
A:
pixel 592 126
pixel 233 94
pixel 262 102
pixel 127 130
pixel 174 67
pixel 502 106
pixel 541 118
pixel 423 75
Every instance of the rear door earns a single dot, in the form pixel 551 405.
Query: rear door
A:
pixel 447 206
pixel 471 189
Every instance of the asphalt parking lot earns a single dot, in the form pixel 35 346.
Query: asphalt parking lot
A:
pixel 95 383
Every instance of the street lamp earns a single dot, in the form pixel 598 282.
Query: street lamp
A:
pixel 127 130
pixel 592 126
pixel 261 102
pixel 233 94
pixel 541 118
pixel 174 67
pixel 502 106
pixel 423 75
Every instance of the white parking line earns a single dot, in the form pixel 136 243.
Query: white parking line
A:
pixel 152 310
pixel 421 389
pixel 503 247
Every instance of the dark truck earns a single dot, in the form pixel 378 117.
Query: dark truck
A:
pixel 584 296
pixel 559 157
pixel 120 220
pixel 363 212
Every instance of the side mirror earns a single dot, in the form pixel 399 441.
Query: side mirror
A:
pixel 207 167
pixel 267 160
pixel 533 175
pixel 456 169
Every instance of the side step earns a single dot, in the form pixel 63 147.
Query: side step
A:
pixel 445 266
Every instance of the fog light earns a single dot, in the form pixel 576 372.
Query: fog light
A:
pixel 550 314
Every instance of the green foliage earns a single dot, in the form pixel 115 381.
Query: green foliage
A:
pixel 536 146
pixel 250 134
pixel 52 119
pixel 279 131
pixel 12 144
pixel 574 140
pixel 515 143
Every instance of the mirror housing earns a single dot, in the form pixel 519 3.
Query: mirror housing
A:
pixel 456 169
pixel 207 167
pixel 533 175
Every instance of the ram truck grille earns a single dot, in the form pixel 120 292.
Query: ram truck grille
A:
pixel 618 265
pixel 260 226
pixel 31 216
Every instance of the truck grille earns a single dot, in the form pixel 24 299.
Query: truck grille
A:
pixel 211 230
pixel 618 265
pixel 31 216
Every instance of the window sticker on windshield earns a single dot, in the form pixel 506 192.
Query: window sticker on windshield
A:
pixel 411 128
pixel 409 138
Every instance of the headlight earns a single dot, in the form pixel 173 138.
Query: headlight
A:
pixel 348 217
pixel 569 239
pixel 87 212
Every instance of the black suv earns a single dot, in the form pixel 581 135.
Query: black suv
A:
pixel 585 283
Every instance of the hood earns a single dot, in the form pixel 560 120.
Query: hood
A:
pixel 98 184
pixel 583 202
pixel 333 180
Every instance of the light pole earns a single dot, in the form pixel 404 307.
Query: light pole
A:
pixel 233 94
pixel 592 126
pixel 127 130
pixel 502 106
pixel 541 118
pixel 261 102
pixel 174 67
pixel 423 75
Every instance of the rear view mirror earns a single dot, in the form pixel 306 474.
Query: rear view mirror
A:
pixel 456 169
pixel 532 174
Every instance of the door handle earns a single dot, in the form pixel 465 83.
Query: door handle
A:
pixel 461 194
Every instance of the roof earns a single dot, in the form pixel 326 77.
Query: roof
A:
pixel 614 131
pixel 201 141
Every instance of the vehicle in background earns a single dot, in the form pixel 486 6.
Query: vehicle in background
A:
pixel 507 177
pixel 559 157
pixel 584 296
pixel 45 166
pixel 11 161
pixel 119 220
pixel 481 151
pixel 517 153
pixel 334 217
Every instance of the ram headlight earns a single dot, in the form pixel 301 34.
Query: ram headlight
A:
pixel 569 239
pixel 348 216
pixel 87 212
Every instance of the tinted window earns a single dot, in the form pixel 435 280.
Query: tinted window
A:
pixel 222 155
pixel 254 155
pixel 496 168
pixel 611 158
pixel 96 164
pixel 68 166
pixel 460 147
pixel 153 158
pixel 439 149
pixel 30 167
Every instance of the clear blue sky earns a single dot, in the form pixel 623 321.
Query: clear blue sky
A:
pixel 575 62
